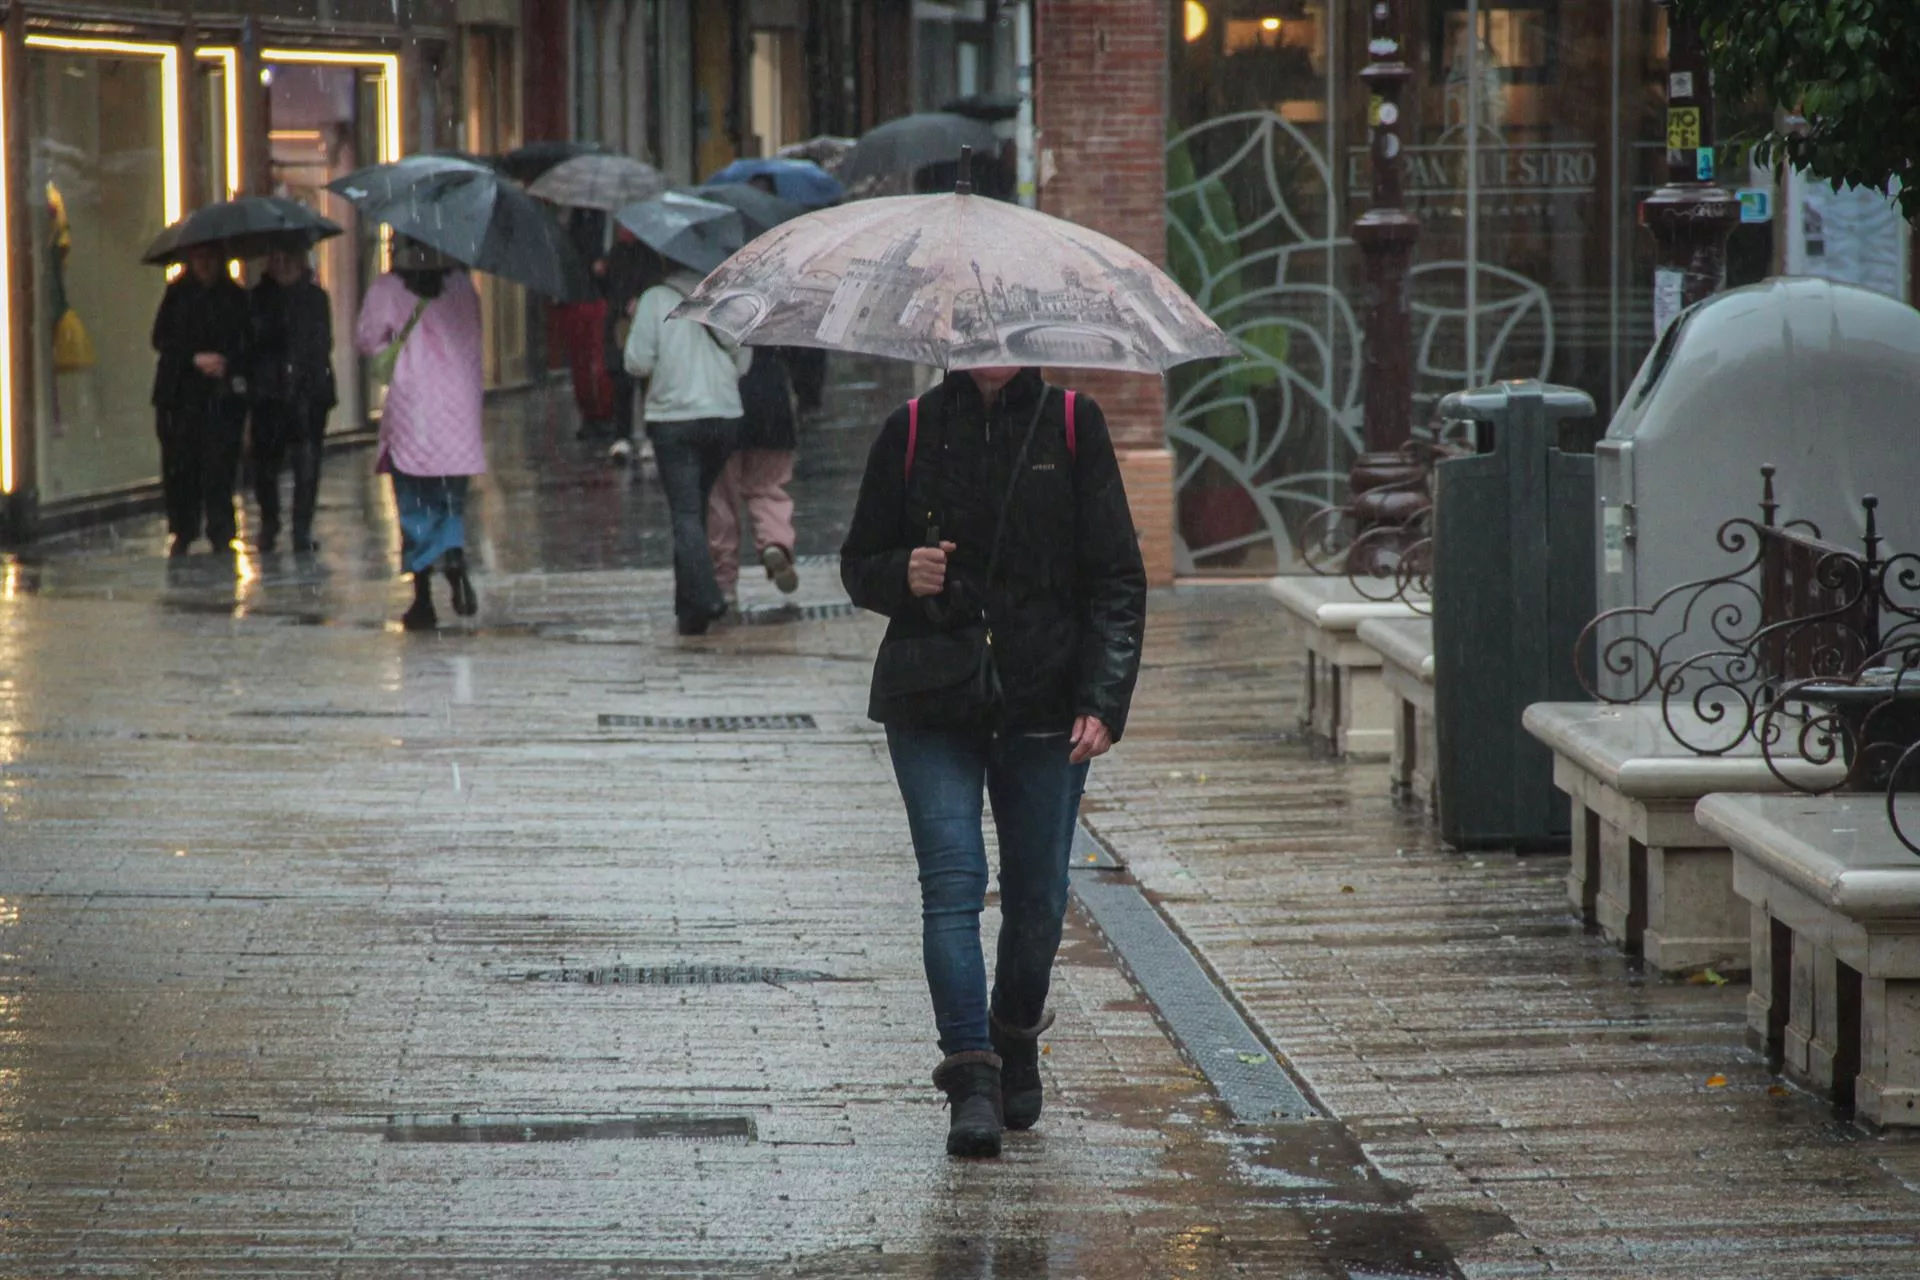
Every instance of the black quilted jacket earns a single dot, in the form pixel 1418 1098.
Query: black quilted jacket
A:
pixel 1068 602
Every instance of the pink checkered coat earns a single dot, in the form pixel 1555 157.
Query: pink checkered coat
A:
pixel 431 424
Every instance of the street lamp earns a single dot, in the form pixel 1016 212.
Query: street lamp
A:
pixel 1692 215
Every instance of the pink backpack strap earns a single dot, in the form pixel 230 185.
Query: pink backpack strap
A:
pixel 913 432
pixel 1073 449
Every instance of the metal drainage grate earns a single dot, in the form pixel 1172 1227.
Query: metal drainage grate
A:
pixel 1090 851
pixel 679 975
pixel 1211 1031
pixel 709 724
pixel 510 1128
pixel 324 713
pixel 773 615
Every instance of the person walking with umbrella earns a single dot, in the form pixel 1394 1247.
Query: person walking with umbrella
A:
pixel 202 334
pixel 293 388
pixel 692 410
pixel 992 531
pixel 423 318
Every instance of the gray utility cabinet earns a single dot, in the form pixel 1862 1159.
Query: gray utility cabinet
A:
pixel 1820 379
pixel 1512 587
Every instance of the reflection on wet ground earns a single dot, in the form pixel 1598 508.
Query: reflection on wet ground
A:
pixel 277 876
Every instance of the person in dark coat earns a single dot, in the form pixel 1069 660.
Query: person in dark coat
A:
pixel 632 269
pixel 1064 608
pixel 757 476
pixel 293 390
pixel 202 333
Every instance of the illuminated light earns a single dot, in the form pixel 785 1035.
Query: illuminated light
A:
pixel 1269 24
pixel 1196 20
pixel 229 60
pixel 388 84
pixel 6 320
pixel 170 140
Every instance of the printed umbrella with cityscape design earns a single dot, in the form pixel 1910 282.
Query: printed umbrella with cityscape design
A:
pixel 955 281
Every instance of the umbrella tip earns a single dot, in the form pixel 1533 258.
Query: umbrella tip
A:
pixel 963 185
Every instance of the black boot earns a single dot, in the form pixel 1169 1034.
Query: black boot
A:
pixel 1019 1069
pixel 971 1082
pixel 459 585
pixel 420 615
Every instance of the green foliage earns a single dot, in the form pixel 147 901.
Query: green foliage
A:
pixel 1850 68
pixel 1202 250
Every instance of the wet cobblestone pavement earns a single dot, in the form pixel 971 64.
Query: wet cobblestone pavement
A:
pixel 297 912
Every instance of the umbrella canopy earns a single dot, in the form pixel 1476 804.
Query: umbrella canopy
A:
pixel 524 164
pixel 826 150
pixel 473 216
pixel 759 211
pixel 914 142
pixel 598 181
pixel 801 181
pixel 693 232
pixel 990 107
pixel 249 225
pixel 957 281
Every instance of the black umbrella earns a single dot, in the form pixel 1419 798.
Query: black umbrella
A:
pixel 249 225
pixel 759 211
pixel 473 216
pixel 914 142
pixel 990 107
pixel 524 164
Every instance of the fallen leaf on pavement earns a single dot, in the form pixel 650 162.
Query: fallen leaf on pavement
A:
pixel 1706 978
pixel 1346 888
pixel 1716 1081
pixel 1778 1091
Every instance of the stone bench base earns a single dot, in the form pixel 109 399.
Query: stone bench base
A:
pixel 1834 924
pixel 1405 647
pixel 1347 708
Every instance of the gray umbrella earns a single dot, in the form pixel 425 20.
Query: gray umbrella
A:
pixel 600 181
pixel 693 232
pixel 474 216
pixel 914 142
pixel 759 211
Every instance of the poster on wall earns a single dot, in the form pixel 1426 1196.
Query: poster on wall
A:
pixel 1856 236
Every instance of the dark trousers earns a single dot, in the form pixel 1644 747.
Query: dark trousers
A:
pixel 199 459
pixel 287 433
pixel 689 456
pixel 808 367
pixel 1036 797
pixel 624 386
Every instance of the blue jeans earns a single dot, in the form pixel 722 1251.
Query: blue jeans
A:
pixel 689 456
pixel 1036 799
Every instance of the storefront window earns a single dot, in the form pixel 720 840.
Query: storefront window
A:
pixel 1533 129
pixel 329 114
pixel 104 180
pixel 493 127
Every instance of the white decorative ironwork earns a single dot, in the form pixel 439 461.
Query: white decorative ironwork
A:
pixel 1254 237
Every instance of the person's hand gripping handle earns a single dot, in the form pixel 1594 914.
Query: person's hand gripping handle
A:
pixel 927 566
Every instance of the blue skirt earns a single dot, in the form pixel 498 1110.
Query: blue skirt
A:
pixel 433 518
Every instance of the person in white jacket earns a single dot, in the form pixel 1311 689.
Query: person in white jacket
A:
pixel 692 415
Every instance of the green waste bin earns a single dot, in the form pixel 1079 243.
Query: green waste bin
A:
pixel 1513 584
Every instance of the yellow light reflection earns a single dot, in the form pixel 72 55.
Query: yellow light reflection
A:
pixel 229 60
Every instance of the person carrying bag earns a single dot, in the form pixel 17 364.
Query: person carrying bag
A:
pixel 992 530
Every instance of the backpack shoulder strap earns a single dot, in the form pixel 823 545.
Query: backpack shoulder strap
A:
pixel 913 432
pixel 1073 449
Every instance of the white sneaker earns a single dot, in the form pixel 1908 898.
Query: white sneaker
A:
pixel 620 452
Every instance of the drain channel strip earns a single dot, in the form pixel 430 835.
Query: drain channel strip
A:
pixel 512 1128
pixel 709 724
pixel 1213 1034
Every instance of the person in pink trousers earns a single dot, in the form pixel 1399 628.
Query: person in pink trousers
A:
pixel 430 438
pixel 757 476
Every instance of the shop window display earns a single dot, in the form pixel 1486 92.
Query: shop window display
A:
pixel 99 180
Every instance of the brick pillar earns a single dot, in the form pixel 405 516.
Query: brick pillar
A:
pixel 1100 101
